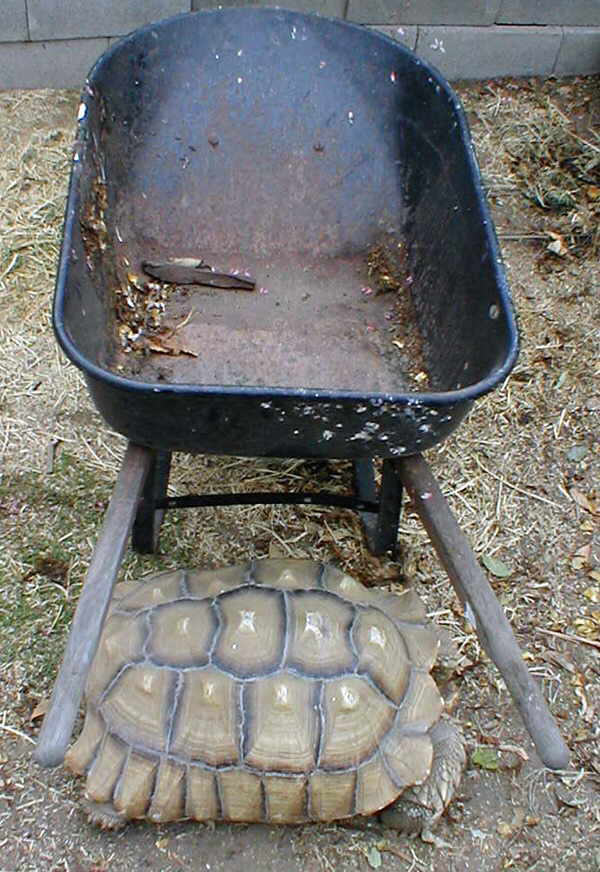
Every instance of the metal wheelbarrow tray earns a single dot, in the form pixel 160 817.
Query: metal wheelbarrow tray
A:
pixel 287 146
pixel 297 149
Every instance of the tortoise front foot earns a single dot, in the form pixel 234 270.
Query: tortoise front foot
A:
pixel 419 808
pixel 104 815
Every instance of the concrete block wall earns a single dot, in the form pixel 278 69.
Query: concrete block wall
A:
pixel 53 43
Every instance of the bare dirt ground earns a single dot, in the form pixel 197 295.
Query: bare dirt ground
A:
pixel 521 475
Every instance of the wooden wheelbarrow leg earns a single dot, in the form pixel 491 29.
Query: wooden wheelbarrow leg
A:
pixel 92 607
pixel 493 629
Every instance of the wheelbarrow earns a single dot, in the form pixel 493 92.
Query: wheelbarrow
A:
pixel 296 167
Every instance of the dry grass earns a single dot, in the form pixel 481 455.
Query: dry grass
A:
pixel 521 475
pixel 549 153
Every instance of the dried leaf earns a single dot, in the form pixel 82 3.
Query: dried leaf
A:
pixel 582 557
pixel 485 758
pixel 582 500
pixel 588 627
pixel 518 820
pixel 374 857
pixel 495 566
pixel 168 343
pixel 558 245
pixel 40 710
pixel 559 660
pixel 514 749
pixel 592 593
pixel 566 797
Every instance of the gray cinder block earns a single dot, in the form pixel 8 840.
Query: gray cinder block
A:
pixel 579 53
pixel 62 63
pixel 471 12
pixel 477 53
pixel 13 20
pixel 404 33
pixel 59 19
pixel 330 8
pixel 565 12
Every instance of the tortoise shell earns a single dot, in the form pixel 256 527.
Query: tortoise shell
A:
pixel 278 691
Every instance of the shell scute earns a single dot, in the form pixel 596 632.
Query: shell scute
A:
pixel 285 799
pixel 348 588
pixel 241 795
pixel 202 800
pixel 287 574
pixel 212 582
pixel 380 644
pixel 135 787
pixel 168 798
pixel 106 769
pixel 181 633
pixel 206 724
pixel 355 719
pixel 155 589
pixel 331 795
pixel 252 634
pixel 407 757
pixel 82 752
pixel 282 724
pixel 318 634
pixel 121 644
pixel 137 706
pixel 422 644
pixel 121 590
pixel 422 704
pixel 405 605
pixel 374 787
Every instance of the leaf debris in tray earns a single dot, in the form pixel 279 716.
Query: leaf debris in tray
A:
pixel 389 272
pixel 93 223
pixel 140 302
pixel 139 309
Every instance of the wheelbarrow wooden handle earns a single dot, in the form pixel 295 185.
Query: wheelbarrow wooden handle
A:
pixel 92 607
pixel 493 628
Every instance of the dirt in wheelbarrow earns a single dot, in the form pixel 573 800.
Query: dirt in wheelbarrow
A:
pixel 521 475
pixel 342 323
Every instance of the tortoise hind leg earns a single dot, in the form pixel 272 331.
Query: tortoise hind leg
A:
pixel 418 809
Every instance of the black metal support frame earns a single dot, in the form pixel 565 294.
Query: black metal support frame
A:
pixel 379 508
pixel 380 526
pixel 149 516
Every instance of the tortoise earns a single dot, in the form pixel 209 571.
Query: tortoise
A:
pixel 281 691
